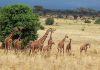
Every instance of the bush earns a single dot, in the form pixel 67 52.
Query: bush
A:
pixel 22 18
pixel 49 21
pixel 83 29
pixel 97 21
pixel 42 27
pixel 87 21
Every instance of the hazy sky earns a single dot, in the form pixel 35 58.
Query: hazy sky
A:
pixel 56 4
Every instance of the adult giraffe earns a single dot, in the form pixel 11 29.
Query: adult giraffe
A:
pixel 50 43
pixel 8 41
pixel 50 38
pixel 38 44
pixel 61 44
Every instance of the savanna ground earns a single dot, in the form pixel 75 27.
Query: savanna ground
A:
pixel 54 61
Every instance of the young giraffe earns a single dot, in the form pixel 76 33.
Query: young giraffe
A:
pixel 38 44
pixel 17 44
pixel 61 44
pixel 68 47
pixel 84 47
pixel 48 47
pixel 8 41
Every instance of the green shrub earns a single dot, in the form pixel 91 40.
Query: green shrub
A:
pixel 22 18
pixel 49 21
pixel 83 29
pixel 42 27
pixel 97 21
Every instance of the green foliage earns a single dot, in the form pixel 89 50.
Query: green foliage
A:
pixel 22 18
pixel 49 21
pixel 97 21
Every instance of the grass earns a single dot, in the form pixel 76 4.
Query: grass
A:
pixel 54 61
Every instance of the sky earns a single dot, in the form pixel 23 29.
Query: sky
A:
pixel 56 4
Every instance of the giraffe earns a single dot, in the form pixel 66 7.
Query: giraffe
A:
pixel 50 38
pixel 17 44
pixel 8 41
pixel 61 44
pixel 84 47
pixel 48 47
pixel 68 47
pixel 38 44
pixel 50 43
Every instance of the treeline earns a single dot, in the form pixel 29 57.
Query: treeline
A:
pixel 78 11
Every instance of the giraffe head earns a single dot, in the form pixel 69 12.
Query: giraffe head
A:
pixel 53 43
pixel 88 44
pixel 53 30
pixel 11 34
pixel 49 30
pixel 70 39
pixel 29 43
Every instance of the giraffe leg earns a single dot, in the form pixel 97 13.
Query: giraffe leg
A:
pixel 58 50
pixel 30 51
pixel 63 50
pixel 85 50
pixel 15 50
pixel 81 50
pixel 5 48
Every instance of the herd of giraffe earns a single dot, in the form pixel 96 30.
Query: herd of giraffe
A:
pixel 38 45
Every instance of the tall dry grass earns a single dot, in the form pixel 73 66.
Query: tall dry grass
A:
pixel 54 61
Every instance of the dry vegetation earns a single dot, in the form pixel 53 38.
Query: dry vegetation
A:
pixel 54 61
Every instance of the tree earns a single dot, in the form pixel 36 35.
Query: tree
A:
pixel 85 11
pixel 20 18
pixel 38 8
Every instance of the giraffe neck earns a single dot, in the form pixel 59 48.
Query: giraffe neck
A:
pixel 50 36
pixel 44 37
pixel 70 42
pixel 50 39
pixel 64 39
pixel 10 36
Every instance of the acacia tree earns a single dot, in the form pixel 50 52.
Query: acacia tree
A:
pixel 38 8
pixel 20 18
